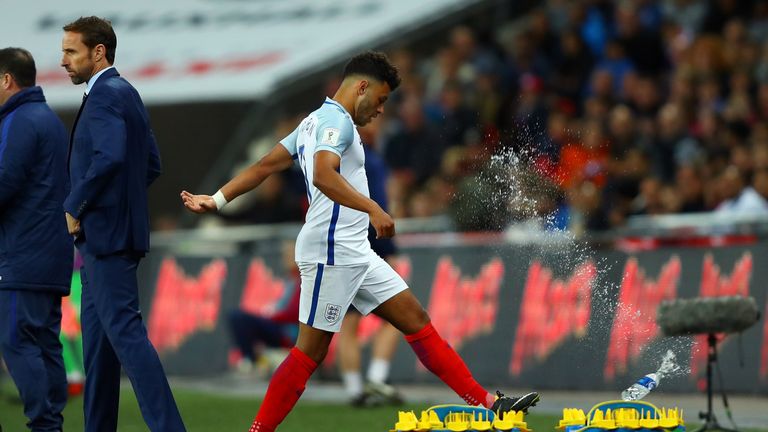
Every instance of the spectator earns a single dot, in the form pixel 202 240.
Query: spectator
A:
pixel 445 68
pixel 689 14
pixel 572 67
pixel 737 196
pixel 760 182
pixel 413 153
pixel 451 116
pixel 673 146
pixel 690 186
pixel 650 200
pixel 546 40
pixel 720 12
pixel 586 160
pixel 643 46
pixel 681 91
pixel 758 28
pixel 760 156
pixel 617 64
pixel 625 139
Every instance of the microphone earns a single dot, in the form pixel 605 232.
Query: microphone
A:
pixel 730 314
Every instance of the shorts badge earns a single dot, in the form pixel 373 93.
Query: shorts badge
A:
pixel 332 313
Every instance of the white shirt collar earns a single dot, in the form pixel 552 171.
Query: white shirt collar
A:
pixel 333 102
pixel 93 79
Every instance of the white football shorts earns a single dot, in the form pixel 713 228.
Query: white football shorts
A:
pixel 328 290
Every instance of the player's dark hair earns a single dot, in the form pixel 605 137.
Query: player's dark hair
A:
pixel 19 63
pixel 95 31
pixel 375 65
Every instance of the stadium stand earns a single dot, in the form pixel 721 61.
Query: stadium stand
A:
pixel 614 108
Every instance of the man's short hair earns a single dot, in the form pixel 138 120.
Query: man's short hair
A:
pixel 20 64
pixel 375 65
pixel 95 31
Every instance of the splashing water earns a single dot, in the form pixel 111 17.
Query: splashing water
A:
pixel 527 198
pixel 669 366
pixel 509 194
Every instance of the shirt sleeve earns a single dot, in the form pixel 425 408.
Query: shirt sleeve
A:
pixel 289 142
pixel 334 134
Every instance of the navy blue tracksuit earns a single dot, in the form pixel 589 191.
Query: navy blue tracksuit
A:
pixel 114 159
pixel 35 254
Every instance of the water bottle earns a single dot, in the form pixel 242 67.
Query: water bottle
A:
pixel 642 387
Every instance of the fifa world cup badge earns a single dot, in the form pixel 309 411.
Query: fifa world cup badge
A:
pixel 330 136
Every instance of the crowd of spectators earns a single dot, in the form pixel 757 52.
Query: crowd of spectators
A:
pixel 614 108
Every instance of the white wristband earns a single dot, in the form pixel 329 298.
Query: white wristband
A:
pixel 219 199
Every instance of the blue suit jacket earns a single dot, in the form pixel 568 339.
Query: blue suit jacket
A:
pixel 113 160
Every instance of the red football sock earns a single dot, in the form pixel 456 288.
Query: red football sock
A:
pixel 285 389
pixel 435 353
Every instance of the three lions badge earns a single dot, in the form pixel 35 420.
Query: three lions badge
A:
pixel 332 313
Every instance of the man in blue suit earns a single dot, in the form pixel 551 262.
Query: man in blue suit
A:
pixel 113 160
pixel 35 251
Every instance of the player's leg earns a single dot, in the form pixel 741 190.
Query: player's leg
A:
pixel 384 346
pixel 326 292
pixel 405 313
pixel 349 357
pixel 290 378
pixel 398 305
pixel 387 337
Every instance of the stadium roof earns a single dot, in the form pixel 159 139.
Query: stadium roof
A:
pixel 212 50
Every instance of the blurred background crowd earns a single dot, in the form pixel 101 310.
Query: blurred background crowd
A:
pixel 592 110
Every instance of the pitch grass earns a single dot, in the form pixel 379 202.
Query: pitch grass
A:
pixel 211 413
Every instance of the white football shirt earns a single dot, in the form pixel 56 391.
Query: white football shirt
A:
pixel 332 234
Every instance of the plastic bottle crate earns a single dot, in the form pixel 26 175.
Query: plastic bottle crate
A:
pixel 622 416
pixel 460 418
pixel 614 416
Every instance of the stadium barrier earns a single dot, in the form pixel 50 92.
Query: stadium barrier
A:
pixel 540 310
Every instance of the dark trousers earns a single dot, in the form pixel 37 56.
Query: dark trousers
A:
pixel 249 330
pixel 29 339
pixel 114 335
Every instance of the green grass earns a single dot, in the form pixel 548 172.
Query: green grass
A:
pixel 211 413
pixel 204 412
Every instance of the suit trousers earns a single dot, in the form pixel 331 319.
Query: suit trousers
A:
pixel 114 335
pixel 29 339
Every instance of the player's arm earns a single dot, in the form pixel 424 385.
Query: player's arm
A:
pixel 277 159
pixel 328 180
